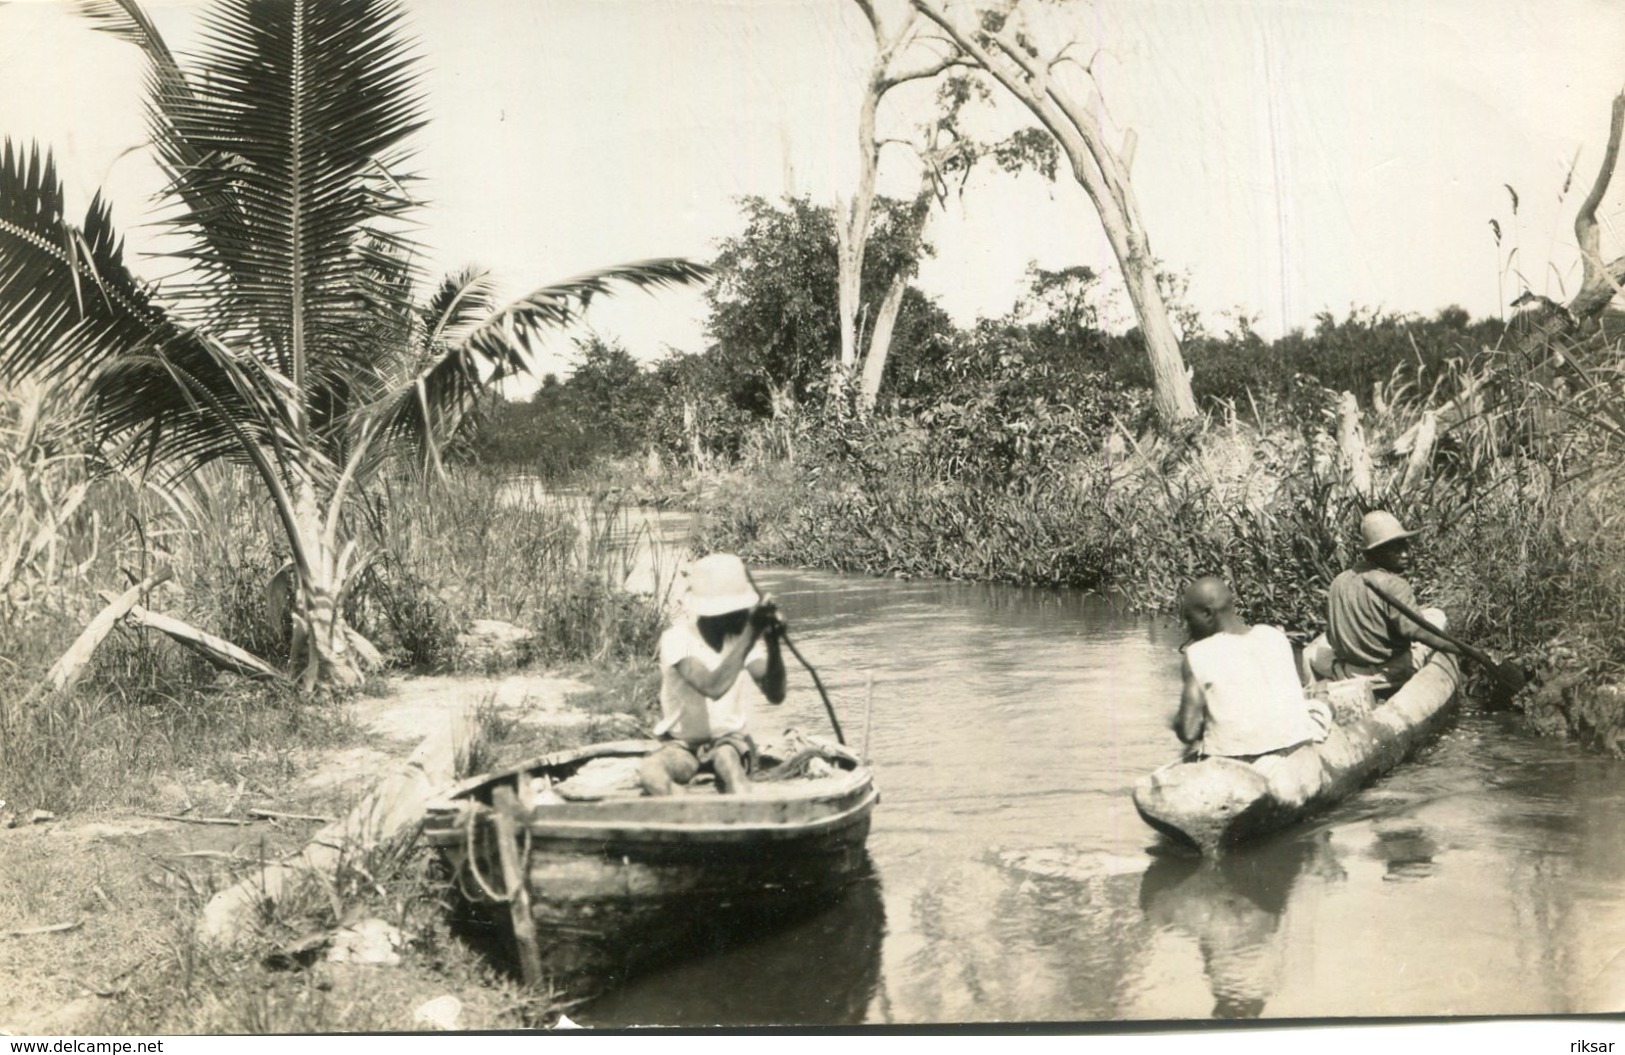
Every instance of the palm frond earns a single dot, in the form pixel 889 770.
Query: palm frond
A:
pixel 244 412
pixel 125 20
pixel 176 406
pixel 73 314
pixel 462 301
pixel 208 208
pixel 422 410
pixel 295 116
pixel 552 307
pixel 67 301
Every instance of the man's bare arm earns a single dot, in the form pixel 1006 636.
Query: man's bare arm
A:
pixel 769 672
pixel 1188 723
pixel 1427 637
pixel 712 683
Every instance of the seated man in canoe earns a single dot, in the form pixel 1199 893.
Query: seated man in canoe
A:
pixel 1366 633
pixel 1242 698
pixel 727 631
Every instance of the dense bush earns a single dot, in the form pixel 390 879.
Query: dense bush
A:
pixel 606 409
pixel 477 545
pixel 1366 348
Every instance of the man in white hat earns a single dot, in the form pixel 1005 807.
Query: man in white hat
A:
pixel 727 631
pixel 1368 636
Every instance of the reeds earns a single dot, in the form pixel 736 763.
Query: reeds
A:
pixel 448 552
pixel 1517 491
pixel 483 546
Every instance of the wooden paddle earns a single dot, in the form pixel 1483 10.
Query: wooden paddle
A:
pixel 818 682
pixel 1508 677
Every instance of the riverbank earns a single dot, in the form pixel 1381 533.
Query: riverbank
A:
pixel 150 782
pixel 100 909
pixel 1522 559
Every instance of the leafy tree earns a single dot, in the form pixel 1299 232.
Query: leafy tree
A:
pixel 291 341
pixel 1002 40
pixel 607 408
pixel 774 321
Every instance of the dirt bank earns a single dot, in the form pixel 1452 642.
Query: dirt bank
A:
pixel 97 912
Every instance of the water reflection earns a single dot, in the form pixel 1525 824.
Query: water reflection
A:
pixel 1232 906
pixel 1022 935
pixel 1007 729
pixel 1406 850
pixel 820 969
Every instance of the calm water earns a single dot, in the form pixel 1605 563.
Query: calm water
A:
pixel 1014 881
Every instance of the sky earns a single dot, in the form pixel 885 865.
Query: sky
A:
pixel 1294 156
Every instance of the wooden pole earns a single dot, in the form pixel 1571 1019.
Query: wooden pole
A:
pixel 868 712
pixel 505 810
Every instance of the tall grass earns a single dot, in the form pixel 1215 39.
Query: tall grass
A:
pixel 446 553
pixel 1518 502
pixel 476 545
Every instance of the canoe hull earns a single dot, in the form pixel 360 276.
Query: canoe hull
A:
pixel 617 885
pixel 608 912
pixel 1219 802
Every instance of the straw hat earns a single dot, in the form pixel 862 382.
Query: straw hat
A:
pixel 718 585
pixel 1378 528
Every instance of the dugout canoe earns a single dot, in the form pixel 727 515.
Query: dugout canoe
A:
pixel 1218 802
pixel 591 891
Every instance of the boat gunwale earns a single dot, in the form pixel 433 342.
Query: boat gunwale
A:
pixel 447 799
pixel 468 785
pixel 448 827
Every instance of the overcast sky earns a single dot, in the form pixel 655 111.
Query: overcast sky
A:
pixel 1293 156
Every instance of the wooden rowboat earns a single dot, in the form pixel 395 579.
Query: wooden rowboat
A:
pixel 594 887
pixel 1218 802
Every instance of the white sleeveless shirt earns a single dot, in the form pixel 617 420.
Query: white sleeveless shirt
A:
pixel 728 713
pixel 1254 701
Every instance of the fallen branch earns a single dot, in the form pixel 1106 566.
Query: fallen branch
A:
pixel 70 666
pixel 50 928
pixel 217 650
pixel 216 855
pixel 394 807
pixel 225 821
pixel 106 992
pixel 273 815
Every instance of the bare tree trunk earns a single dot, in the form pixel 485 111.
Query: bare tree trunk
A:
pixel 1351 440
pixel 852 220
pixel 1010 59
pixel 1421 456
pixel 874 363
pixel 1600 280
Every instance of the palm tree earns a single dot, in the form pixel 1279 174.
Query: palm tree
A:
pixel 289 340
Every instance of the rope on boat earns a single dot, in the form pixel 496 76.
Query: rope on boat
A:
pixel 473 861
pixel 795 767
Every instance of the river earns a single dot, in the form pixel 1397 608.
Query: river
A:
pixel 1013 880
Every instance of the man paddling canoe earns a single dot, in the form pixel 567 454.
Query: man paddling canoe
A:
pixel 729 632
pixel 1242 697
pixel 1367 632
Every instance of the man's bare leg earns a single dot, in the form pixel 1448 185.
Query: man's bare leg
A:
pixel 730 769
pixel 661 772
